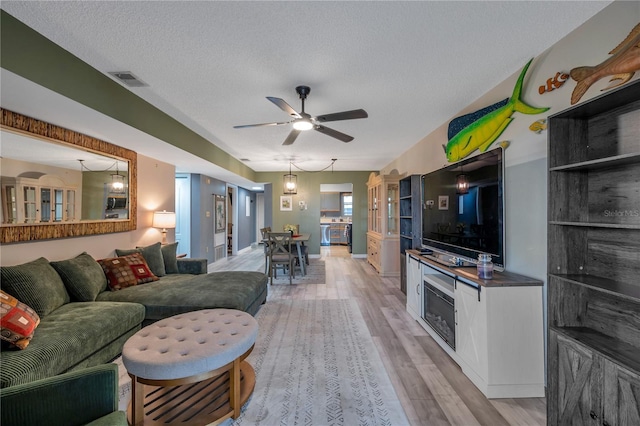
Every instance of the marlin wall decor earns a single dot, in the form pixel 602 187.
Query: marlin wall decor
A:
pixel 478 130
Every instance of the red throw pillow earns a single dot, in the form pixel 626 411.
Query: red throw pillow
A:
pixel 126 271
pixel 18 321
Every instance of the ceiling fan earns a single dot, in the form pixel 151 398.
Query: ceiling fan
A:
pixel 303 121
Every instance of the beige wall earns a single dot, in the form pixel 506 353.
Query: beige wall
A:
pixel 155 192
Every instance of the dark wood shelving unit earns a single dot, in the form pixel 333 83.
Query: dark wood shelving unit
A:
pixel 594 261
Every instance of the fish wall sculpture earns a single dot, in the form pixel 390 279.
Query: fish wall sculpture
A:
pixel 480 129
pixel 621 66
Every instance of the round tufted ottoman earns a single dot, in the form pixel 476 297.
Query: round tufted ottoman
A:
pixel 203 353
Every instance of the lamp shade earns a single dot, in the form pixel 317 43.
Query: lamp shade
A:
pixel 164 219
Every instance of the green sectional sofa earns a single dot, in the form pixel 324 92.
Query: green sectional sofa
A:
pixel 83 323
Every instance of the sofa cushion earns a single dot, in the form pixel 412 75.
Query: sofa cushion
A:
pixel 35 283
pixel 83 276
pixel 126 271
pixel 178 293
pixel 169 253
pixel 152 255
pixel 67 337
pixel 18 321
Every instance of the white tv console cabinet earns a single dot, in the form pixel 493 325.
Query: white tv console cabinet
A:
pixel 499 340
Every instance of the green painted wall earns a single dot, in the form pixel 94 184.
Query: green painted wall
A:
pixel 309 191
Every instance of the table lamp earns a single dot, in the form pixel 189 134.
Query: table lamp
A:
pixel 164 220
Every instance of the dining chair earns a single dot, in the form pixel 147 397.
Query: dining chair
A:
pixel 280 254
pixel 264 232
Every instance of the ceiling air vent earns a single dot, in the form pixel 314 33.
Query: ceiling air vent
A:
pixel 128 79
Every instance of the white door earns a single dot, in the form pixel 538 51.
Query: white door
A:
pixel 183 214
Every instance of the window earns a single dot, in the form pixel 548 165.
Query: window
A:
pixel 347 204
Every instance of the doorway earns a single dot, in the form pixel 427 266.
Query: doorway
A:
pixel 183 213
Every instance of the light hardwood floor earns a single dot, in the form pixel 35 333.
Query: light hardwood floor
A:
pixel 431 387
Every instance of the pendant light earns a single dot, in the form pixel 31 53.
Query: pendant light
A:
pixel 117 181
pixel 290 182
pixel 462 183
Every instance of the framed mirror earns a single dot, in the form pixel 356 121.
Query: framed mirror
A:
pixel 58 183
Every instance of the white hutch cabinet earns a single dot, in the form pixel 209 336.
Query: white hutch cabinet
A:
pixel 383 233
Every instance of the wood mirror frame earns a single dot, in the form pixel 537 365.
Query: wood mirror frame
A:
pixel 28 126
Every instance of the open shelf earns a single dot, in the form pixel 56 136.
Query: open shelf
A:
pixel 613 349
pixel 595 225
pixel 601 163
pixel 613 287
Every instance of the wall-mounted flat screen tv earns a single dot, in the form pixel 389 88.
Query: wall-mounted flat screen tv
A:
pixel 463 207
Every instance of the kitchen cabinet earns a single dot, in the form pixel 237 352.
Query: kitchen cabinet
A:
pixel 414 287
pixel 592 389
pixel 330 201
pixel 337 233
pixel 383 240
pixel 593 245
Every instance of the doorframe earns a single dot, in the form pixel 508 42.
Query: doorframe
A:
pixel 259 215
pixel 232 193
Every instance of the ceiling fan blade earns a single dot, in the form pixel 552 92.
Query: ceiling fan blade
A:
pixel 284 106
pixel 261 125
pixel 334 133
pixel 344 115
pixel 292 137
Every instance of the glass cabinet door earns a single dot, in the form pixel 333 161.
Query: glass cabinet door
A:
pixel 45 204
pixel 59 205
pixel 71 205
pixel 392 208
pixel 11 206
pixel 30 208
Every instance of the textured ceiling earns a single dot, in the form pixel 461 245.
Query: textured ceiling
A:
pixel 411 65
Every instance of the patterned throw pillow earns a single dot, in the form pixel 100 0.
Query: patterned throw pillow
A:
pixel 152 255
pixel 126 271
pixel 18 321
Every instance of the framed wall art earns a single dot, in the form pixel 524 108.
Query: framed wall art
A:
pixel 220 210
pixel 443 202
pixel 286 203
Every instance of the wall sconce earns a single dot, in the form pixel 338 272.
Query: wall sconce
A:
pixel 117 181
pixel 290 182
pixel 302 205
pixel 164 220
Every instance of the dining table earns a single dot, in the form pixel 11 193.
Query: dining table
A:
pixel 299 239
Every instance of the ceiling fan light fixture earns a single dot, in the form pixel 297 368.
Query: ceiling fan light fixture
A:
pixel 303 124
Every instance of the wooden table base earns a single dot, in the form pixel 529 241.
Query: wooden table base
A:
pixel 200 403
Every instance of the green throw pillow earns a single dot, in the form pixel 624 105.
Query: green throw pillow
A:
pixel 169 252
pixel 36 284
pixel 152 255
pixel 83 276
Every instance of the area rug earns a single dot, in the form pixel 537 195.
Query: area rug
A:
pixel 314 274
pixel 316 364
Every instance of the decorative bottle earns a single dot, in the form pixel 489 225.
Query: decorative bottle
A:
pixel 485 266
